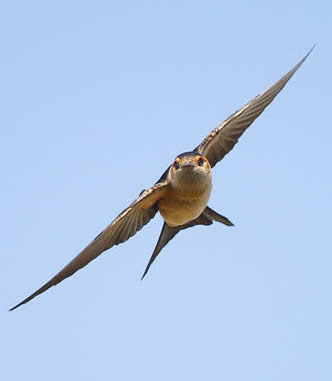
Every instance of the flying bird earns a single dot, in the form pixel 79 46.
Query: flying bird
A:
pixel 182 192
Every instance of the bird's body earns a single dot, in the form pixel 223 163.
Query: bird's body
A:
pixel 181 194
pixel 177 207
pixel 188 190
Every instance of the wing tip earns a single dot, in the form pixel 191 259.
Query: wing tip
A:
pixel 312 48
pixel 17 305
pixel 307 55
pixel 26 300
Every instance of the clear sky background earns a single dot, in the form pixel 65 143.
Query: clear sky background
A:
pixel 97 98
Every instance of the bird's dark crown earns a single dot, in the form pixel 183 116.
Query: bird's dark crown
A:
pixel 188 155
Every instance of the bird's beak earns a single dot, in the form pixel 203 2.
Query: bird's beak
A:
pixel 188 165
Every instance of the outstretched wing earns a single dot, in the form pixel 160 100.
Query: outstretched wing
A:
pixel 130 221
pixel 223 138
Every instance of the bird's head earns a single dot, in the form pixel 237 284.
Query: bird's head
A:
pixel 190 169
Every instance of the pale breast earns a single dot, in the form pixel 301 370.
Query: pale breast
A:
pixel 178 208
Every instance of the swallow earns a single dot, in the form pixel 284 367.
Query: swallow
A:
pixel 182 192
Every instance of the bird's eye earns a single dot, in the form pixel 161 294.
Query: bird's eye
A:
pixel 200 161
pixel 176 165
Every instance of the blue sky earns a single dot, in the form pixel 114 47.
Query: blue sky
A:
pixel 97 99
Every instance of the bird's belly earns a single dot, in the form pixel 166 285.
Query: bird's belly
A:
pixel 178 209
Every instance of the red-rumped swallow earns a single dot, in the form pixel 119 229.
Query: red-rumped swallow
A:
pixel 182 192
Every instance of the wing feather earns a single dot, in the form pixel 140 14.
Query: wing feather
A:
pixel 128 222
pixel 222 139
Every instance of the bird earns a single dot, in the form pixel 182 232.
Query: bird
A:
pixel 182 192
